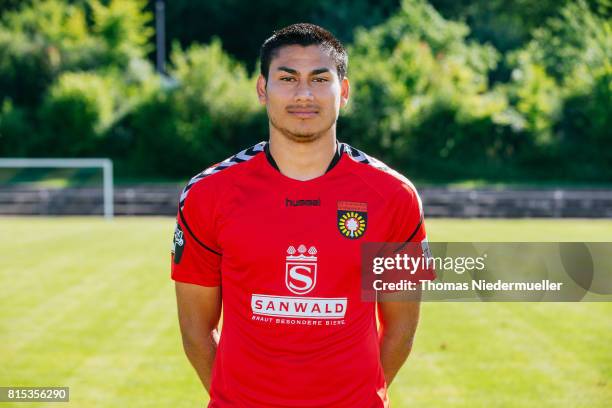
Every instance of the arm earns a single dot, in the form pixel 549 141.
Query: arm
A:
pixel 199 309
pixel 398 323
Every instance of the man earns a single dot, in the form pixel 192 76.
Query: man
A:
pixel 273 234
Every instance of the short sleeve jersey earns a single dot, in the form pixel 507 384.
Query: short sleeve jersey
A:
pixel 286 254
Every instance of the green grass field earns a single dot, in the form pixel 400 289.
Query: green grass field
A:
pixel 89 304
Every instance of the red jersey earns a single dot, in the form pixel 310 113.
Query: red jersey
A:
pixel 286 253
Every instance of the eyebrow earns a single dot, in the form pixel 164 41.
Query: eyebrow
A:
pixel 294 72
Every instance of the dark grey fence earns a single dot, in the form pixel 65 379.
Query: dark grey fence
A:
pixel 136 200
pixel 438 202
pixel 516 203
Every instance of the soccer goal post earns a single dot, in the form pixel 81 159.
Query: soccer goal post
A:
pixel 105 164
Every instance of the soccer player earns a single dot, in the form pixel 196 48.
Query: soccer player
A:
pixel 272 236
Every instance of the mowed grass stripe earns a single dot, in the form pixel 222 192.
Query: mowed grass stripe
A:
pixel 598 324
pixel 565 357
pixel 584 327
pixel 576 341
pixel 78 257
pixel 73 255
pixel 162 376
pixel 108 281
pixel 465 355
pixel 543 375
pixel 19 233
pixel 448 336
pixel 22 254
pixel 424 372
pixel 119 353
pixel 518 230
pixel 72 304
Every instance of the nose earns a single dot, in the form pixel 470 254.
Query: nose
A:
pixel 303 93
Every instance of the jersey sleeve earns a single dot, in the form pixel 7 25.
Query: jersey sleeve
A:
pixel 408 227
pixel 407 216
pixel 195 255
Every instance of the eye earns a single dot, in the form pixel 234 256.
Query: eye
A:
pixel 320 80
pixel 287 79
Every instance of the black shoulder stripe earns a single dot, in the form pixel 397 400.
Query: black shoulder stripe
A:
pixel 193 235
pixel 416 229
pixel 406 242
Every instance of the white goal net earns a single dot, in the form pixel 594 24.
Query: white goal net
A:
pixel 106 165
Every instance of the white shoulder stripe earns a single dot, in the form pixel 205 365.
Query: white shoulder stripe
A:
pixel 361 157
pixel 239 157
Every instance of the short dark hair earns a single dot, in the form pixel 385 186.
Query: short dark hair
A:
pixel 303 34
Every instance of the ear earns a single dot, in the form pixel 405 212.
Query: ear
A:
pixel 261 90
pixel 345 90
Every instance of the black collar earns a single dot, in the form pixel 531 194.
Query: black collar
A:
pixel 332 164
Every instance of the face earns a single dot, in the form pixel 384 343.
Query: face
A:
pixel 303 93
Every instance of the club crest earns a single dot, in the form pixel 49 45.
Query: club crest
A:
pixel 352 219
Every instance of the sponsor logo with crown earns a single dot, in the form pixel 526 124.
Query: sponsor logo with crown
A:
pixel 301 269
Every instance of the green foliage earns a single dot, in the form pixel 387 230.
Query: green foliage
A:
pixel 62 32
pixel 77 110
pixel 577 36
pixel 14 130
pixel 40 41
pixel 207 115
pixel 81 109
pixel 8 5
pixel 560 84
pixel 430 94
pixel 421 98
pixel 27 68
pixel 243 25
pixel 505 24
pixel 419 20
pixel 67 74
pixel 583 129
pixel 124 28
pixel 211 80
pixel 536 97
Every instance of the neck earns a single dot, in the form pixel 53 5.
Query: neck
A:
pixel 302 161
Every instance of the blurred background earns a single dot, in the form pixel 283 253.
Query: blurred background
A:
pixel 493 108
pixel 444 91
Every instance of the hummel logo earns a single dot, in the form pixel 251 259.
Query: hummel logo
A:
pixel 302 203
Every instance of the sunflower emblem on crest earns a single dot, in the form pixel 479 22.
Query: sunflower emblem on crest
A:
pixel 352 219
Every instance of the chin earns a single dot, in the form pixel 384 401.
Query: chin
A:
pixel 301 134
pixel 303 137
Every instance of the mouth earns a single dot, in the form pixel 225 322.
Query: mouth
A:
pixel 303 113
